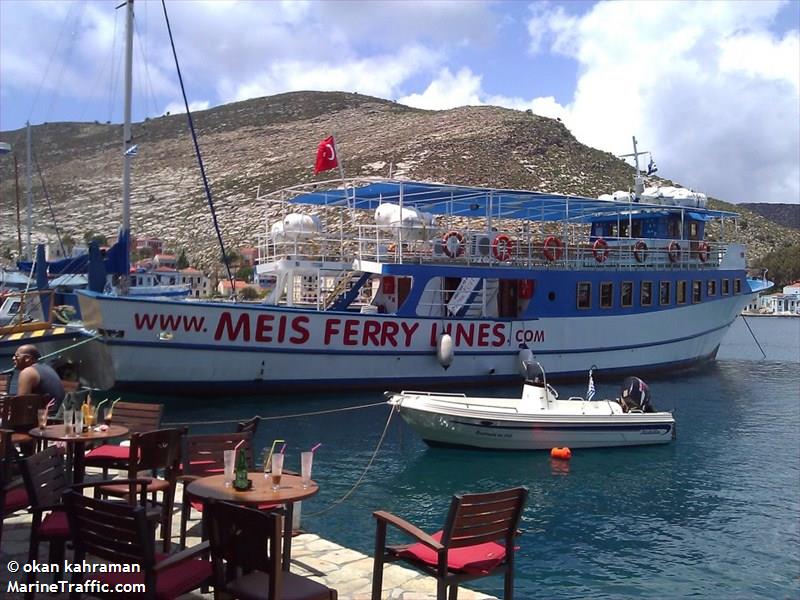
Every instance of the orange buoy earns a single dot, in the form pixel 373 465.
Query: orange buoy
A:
pixel 562 453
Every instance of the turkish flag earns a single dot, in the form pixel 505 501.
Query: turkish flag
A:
pixel 326 156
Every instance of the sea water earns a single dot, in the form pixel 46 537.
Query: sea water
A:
pixel 716 514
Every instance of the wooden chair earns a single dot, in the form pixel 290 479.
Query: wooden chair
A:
pixel 246 554
pixel 477 541
pixel 203 455
pixel 5 383
pixel 45 480
pixel 154 451
pixel 138 417
pixel 122 534
pixel 13 496
pixel 19 413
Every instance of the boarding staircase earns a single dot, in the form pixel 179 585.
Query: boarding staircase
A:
pixel 467 301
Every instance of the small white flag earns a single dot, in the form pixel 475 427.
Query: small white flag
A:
pixel 132 151
pixel 590 391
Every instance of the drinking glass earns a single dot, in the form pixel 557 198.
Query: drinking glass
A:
pixel 277 471
pixel 230 458
pixel 107 416
pixel 41 416
pixel 78 422
pixel 69 420
pixel 306 459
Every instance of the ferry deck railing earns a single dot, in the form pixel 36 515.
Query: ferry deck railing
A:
pixel 370 243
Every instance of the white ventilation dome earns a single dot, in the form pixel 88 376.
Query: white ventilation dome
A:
pixel 296 227
pixel 414 224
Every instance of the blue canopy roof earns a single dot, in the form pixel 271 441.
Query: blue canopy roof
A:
pixel 466 201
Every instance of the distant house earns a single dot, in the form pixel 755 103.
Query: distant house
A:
pixel 197 280
pixel 786 303
pixel 151 245
pixel 224 286
pixel 165 260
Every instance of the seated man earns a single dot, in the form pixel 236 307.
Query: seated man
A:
pixel 36 377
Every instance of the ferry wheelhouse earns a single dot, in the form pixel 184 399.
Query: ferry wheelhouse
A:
pixel 384 283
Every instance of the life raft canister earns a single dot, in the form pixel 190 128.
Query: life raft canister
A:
pixel 525 289
pixel 640 251
pixel 502 247
pixel 674 251
pixel 552 248
pixel 455 248
pixel 703 251
pixel 600 250
pixel 561 453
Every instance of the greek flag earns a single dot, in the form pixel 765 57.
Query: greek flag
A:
pixel 132 151
pixel 651 167
pixel 590 390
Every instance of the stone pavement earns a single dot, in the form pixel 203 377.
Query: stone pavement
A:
pixel 347 571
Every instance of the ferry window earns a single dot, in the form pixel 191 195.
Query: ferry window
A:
pixel 584 294
pixel 623 229
pixel 737 286
pixel 726 287
pixel 697 291
pixel 636 229
pixel 626 294
pixel 711 287
pixel 646 294
pixel 680 292
pixel 674 228
pixel 663 293
pixel 694 232
pixel 606 295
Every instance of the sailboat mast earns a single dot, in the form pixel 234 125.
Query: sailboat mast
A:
pixel 125 228
pixel 28 190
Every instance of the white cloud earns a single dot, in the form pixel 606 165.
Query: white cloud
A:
pixel 174 108
pixel 709 90
pixel 448 91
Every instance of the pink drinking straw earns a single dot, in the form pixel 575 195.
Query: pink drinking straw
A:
pixel 314 449
pixel 237 446
pixel 283 449
pixel 50 404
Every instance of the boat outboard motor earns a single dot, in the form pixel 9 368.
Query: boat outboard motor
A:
pixel 635 395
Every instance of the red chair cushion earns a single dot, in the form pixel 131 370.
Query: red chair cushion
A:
pixel 479 559
pixel 16 499
pixel 55 525
pixel 108 453
pixel 171 583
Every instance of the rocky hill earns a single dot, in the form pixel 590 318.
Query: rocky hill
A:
pixel 270 143
pixel 787 215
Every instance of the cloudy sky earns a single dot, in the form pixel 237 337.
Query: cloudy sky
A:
pixel 712 88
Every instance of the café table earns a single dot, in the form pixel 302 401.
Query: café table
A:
pixel 291 490
pixel 76 443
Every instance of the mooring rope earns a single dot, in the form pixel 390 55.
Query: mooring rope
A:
pixel 59 351
pixel 275 418
pixel 764 354
pixel 352 490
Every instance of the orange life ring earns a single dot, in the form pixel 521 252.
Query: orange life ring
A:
pixel 703 251
pixel 674 251
pixel 502 247
pixel 552 248
pixel 459 248
pixel 525 289
pixel 600 250
pixel 561 453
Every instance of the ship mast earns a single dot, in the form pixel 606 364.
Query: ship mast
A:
pixel 638 180
pixel 125 227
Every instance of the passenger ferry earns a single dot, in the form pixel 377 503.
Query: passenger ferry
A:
pixel 385 283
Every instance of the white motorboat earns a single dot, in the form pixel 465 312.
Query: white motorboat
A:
pixel 538 419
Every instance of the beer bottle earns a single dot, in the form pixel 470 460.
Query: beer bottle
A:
pixel 241 482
